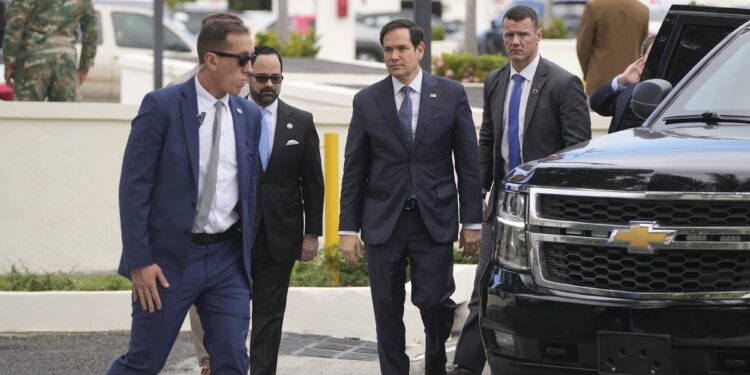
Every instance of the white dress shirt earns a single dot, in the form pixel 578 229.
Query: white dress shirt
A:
pixel 528 76
pixel 270 114
pixel 222 214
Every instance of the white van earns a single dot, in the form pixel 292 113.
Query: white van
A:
pixel 130 30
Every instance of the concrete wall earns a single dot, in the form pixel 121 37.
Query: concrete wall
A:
pixel 60 166
pixel 337 312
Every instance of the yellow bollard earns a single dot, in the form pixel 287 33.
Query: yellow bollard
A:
pixel 331 149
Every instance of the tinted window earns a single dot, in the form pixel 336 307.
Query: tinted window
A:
pixel 717 88
pixel 137 31
pixel 694 42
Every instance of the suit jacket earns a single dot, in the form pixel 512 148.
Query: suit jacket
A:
pixel 557 116
pixel 159 180
pixel 291 184
pixel 607 102
pixel 609 38
pixel 379 165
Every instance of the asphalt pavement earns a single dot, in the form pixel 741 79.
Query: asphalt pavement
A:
pixel 92 353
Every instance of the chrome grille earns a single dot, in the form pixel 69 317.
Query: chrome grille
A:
pixel 569 232
pixel 668 271
pixel 618 211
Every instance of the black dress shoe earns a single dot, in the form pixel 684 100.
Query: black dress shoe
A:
pixel 455 369
pixel 434 367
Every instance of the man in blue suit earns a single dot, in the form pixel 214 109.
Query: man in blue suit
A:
pixel 399 189
pixel 187 200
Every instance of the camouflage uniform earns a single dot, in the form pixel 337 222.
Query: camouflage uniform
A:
pixel 40 41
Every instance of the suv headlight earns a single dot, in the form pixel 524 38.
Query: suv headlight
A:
pixel 510 231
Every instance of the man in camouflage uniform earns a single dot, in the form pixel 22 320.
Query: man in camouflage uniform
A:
pixel 39 48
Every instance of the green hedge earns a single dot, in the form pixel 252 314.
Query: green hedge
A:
pixel 467 67
pixel 328 269
pixel 557 30
pixel 299 45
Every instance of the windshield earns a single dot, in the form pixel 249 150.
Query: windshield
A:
pixel 721 87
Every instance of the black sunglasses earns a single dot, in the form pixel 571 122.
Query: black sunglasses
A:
pixel 262 78
pixel 243 59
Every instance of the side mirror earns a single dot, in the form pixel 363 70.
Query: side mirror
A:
pixel 647 95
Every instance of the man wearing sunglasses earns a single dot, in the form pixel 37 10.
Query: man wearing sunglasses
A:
pixel 187 206
pixel 289 213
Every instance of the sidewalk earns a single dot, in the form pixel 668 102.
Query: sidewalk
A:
pixel 92 353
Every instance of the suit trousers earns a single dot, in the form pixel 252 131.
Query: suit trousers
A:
pixel 431 267
pixel 469 350
pixel 270 287
pixel 215 281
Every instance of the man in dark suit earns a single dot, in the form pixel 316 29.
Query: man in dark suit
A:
pixel 608 38
pixel 532 108
pixel 399 190
pixel 290 204
pixel 613 98
pixel 187 203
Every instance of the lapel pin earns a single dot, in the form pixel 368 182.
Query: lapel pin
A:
pixel 534 91
pixel 433 95
pixel 289 126
pixel 239 110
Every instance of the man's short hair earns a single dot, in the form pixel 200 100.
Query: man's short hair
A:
pixel 647 43
pixel 415 32
pixel 214 31
pixel 266 50
pixel 521 12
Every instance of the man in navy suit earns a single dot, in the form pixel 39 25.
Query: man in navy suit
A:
pixel 613 98
pixel 399 190
pixel 187 202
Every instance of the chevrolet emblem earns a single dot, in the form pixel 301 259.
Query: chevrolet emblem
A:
pixel 641 237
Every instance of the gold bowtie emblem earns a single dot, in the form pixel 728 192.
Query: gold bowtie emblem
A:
pixel 641 237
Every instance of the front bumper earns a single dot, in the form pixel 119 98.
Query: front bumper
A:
pixel 531 330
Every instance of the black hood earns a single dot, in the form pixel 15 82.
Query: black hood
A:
pixel 683 158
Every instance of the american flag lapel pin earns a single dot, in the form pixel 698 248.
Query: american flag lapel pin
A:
pixel 433 95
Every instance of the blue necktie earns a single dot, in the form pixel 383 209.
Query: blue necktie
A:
pixel 514 147
pixel 263 147
pixel 404 115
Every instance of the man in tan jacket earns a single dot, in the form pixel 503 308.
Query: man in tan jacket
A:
pixel 609 38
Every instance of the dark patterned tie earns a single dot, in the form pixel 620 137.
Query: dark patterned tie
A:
pixel 404 115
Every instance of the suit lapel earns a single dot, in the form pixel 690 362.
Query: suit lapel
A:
pixel 283 116
pixel 540 78
pixel 240 140
pixel 386 103
pixel 189 107
pixel 428 99
pixel 498 105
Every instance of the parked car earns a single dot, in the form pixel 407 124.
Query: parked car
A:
pixel 628 254
pixel 569 11
pixel 6 92
pixel 368 26
pixel 130 30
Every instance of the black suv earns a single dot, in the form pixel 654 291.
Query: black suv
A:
pixel 630 254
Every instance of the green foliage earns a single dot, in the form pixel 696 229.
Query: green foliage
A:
pixel 300 44
pixel 172 3
pixel 467 67
pixel 557 30
pixel 438 32
pixel 25 281
pixel 320 271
